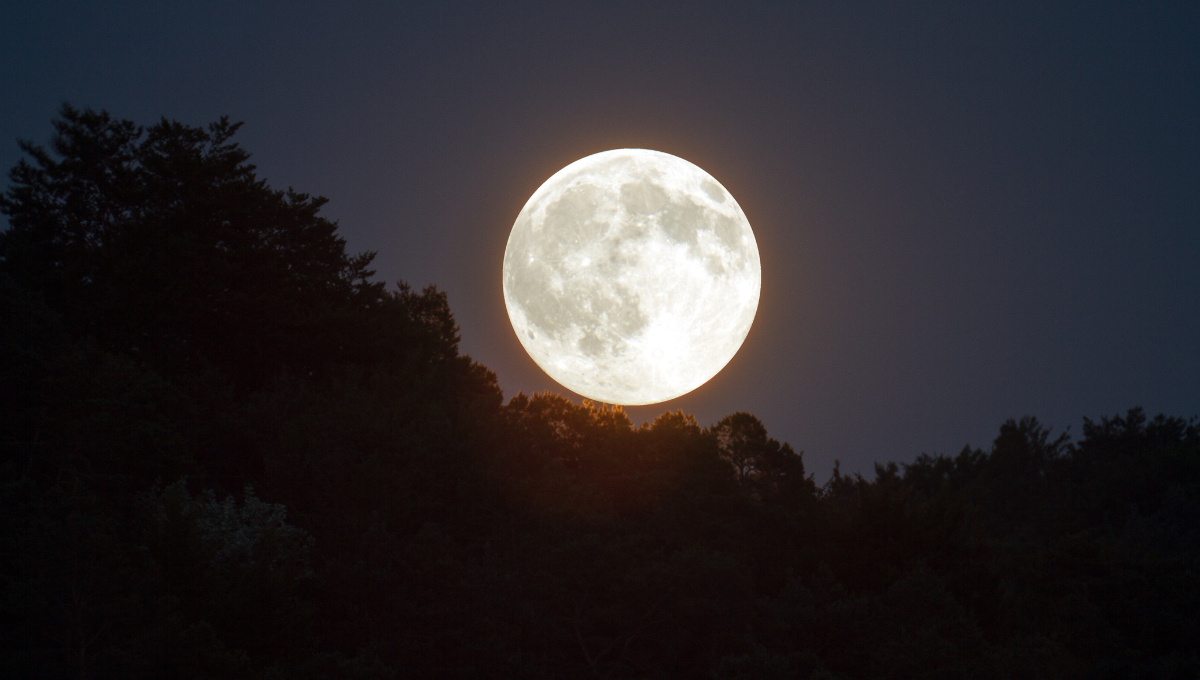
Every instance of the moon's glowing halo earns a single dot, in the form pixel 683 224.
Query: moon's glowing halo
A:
pixel 631 276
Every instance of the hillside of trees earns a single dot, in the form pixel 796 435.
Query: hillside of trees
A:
pixel 226 451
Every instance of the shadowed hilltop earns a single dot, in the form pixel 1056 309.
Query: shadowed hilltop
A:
pixel 225 451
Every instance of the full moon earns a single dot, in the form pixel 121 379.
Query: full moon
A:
pixel 631 277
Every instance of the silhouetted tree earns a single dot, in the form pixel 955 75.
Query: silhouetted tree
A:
pixel 163 244
pixel 760 462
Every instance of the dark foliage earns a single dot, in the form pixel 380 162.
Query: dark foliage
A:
pixel 226 452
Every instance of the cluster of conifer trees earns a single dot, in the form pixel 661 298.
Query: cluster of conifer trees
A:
pixel 225 451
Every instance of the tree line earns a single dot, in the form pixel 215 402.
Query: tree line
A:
pixel 227 451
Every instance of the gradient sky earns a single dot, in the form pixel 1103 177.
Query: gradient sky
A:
pixel 967 212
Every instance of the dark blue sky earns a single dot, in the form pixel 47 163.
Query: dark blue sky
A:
pixel 967 211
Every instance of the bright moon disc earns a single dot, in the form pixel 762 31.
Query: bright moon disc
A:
pixel 631 276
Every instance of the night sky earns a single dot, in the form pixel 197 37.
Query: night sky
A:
pixel 966 212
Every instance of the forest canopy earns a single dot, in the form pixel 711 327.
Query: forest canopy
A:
pixel 227 451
